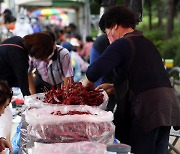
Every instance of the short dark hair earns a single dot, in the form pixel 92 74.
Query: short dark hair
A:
pixel 5 92
pixel 119 15
pixel 89 39
pixel 51 34
pixel 9 18
pixel 39 45
pixel 7 11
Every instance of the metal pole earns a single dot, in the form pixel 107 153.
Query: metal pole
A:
pixel 87 28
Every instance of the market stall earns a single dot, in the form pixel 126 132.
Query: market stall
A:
pixel 67 120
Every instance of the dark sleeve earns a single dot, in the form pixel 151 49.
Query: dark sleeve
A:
pixel 117 55
pixel 18 60
pixel 94 55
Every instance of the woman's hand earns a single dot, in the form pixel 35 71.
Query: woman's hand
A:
pixel 108 87
pixel 86 83
pixel 5 144
pixel 68 81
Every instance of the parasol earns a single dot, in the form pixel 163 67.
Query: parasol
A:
pixel 47 12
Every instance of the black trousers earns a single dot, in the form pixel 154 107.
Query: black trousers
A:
pixel 154 142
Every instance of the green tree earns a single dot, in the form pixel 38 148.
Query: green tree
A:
pixel 170 18
pixel 172 6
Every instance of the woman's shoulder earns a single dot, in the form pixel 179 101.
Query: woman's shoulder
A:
pixel 61 50
pixel 14 40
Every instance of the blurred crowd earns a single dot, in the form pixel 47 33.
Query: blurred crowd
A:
pixel 68 52
pixel 67 36
pixel 123 62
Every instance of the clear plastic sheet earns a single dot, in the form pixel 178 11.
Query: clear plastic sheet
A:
pixel 25 143
pixel 23 137
pixel 47 128
pixel 70 148
pixel 43 115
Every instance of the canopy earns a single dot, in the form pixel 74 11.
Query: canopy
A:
pixel 47 12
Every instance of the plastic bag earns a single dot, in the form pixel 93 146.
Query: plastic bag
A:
pixel 44 116
pixel 70 148
pixel 36 100
pixel 47 128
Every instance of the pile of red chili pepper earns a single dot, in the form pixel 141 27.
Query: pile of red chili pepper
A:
pixel 74 94
pixel 73 112
pixel 71 132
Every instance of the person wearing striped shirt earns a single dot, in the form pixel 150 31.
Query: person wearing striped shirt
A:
pixel 51 71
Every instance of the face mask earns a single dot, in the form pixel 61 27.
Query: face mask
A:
pixel 34 21
pixel 21 21
pixel 11 26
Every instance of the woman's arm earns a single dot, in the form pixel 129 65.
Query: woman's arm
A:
pixel 32 88
pixel 108 87
pixel 5 144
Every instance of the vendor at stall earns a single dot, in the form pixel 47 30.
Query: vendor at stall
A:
pixel 151 108
pixel 50 71
pixel 14 58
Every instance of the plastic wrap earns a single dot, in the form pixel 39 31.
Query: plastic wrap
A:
pixel 44 116
pixel 25 142
pixel 70 148
pixel 47 128
pixel 36 100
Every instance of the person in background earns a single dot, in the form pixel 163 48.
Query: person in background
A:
pixel 98 47
pixel 84 65
pixel 61 36
pixel 74 61
pixel 151 107
pixel 5 98
pixel 71 29
pixel 85 52
pixel 7 24
pixel 50 71
pixel 9 20
pixel 22 27
pixel 36 26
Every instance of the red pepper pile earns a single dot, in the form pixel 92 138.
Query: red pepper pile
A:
pixel 71 132
pixel 74 94
pixel 70 113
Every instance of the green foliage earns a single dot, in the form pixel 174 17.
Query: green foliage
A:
pixel 94 32
pixel 94 7
pixel 119 2
pixel 171 48
pixel 168 48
